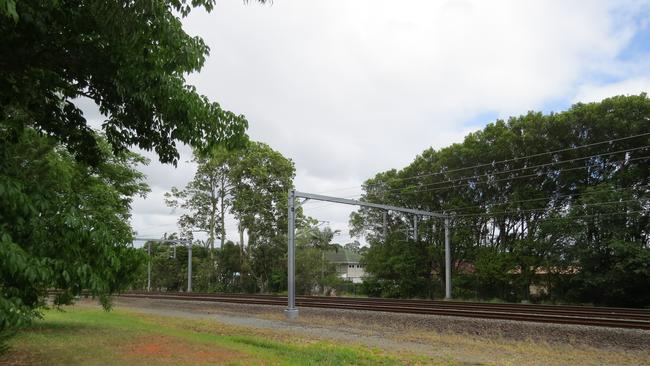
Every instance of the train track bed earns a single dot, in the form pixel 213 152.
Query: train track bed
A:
pixel 401 327
pixel 575 315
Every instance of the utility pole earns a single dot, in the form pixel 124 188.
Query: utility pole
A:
pixel 149 267
pixel 189 267
pixel 173 242
pixel 415 228
pixel 291 312
pixel 447 261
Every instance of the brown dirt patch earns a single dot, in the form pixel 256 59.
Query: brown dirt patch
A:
pixel 17 357
pixel 164 349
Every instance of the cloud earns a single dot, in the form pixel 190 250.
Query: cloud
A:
pixel 597 92
pixel 350 88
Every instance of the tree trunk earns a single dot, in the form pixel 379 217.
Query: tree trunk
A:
pixel 223 211
pixel 241 239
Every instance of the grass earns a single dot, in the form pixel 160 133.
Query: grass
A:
pixel 86 335
pixel 90 336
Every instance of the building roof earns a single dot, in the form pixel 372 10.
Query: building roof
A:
pixel 343 256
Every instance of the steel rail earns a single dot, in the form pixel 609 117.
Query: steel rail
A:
pixel 603 317
pixel 644 313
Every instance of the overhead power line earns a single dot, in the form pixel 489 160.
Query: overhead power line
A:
pixel 493 163
pixel 490 174
pixel 524 157
pixel 515 212
pixel 549 198
pixel 517 177
pixel 608 214
pixel 517 201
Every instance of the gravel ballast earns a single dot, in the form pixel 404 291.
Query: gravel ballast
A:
pixel 397 326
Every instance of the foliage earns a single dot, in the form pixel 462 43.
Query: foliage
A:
pixel 314 274
pixel 261 178
pixel 397 268
pixel 205 198
pixel 65 189
pixel 130 59
pixel 574 223
pixel 251 184
pixel 233 273
pixel 63 224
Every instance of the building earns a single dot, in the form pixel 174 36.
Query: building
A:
pixel 347 264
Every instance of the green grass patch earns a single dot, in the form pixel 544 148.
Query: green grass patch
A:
pixel 91 336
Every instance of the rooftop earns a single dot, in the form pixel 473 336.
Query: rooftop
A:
pixel 343 256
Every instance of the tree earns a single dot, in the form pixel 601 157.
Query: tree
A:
pixel 574 221
pixel 354 246
pixel 313 272
pixel 322 240
pixel 63 225
pixel 614 267
pixel 397 268
pixel 252 184
pixel 129 58
pixel 204 198
pixel 64 218
pixel 261 178
pixel 230 268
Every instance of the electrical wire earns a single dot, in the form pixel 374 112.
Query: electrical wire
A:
pixel 517 177
pixel 544 220
pixel 525 157
pixel 549 198
pixel 315 208
pixel 404 189
pixel 489 214
pixel 487 175
pixel 493 163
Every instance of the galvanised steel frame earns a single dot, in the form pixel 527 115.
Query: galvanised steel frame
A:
pixel 292 312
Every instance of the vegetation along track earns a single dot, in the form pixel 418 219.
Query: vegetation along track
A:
pixel 561 314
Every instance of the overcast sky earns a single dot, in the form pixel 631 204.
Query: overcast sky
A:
pixel 349 88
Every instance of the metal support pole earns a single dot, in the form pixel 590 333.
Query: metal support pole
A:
pixel 385 226
pixel 189 267
pixel 149 266
pixel 447 261
pixel 291 312
pixel 415 228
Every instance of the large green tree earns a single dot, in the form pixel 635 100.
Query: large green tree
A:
pixel 206 198
pixel 574 221
pixel 65 189
pixel 250 183
pixel 63 224
pixel 128 57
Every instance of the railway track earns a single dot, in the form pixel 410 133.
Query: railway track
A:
pixel 559 314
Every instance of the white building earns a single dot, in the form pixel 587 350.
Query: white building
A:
pixel 347 264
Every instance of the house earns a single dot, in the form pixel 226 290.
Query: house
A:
pixel 347 264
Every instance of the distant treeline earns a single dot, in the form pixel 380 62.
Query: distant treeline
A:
pixel 233 268
pixel 546 208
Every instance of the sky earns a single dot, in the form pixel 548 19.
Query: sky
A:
pixel 347 89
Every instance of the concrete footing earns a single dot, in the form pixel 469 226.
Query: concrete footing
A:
pixel 291 313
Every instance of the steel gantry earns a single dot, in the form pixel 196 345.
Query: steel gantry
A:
pixel 292 312
pixel 174 241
